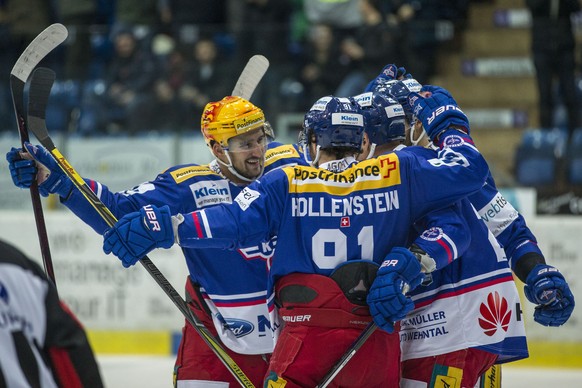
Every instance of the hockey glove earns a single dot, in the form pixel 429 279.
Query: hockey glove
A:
pixel 389 73
pixel 400 272
pixel 437 112
pixel 546 287
pixel 51 179
pixel 23 171
pixel 136 234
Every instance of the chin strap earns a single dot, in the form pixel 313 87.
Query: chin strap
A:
pixel 414 141
pixel 234 172
pixel 312 163
pixel 372 150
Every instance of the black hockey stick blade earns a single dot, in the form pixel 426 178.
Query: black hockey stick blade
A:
pixel 38 126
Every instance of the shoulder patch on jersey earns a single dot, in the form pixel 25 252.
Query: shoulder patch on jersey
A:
pixel 182 174
pixel 432 234
pixel 246 197
pixel 381 172
pixel 453 141
pixel 285 151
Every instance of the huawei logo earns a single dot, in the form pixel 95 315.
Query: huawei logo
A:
pixel 495 314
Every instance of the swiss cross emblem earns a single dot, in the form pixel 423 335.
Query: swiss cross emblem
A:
pixel 345 222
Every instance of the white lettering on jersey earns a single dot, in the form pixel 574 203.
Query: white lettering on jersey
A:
pixel 340 207
pixel 209 193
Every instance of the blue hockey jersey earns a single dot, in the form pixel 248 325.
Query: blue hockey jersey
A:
pixel 322 218
pixel 233 283
pixel 472 300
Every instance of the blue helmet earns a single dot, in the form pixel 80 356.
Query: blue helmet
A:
pixel 334 122
pixel 400 90
pixel 384 117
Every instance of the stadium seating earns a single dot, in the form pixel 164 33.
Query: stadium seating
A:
pixel 64 98
pixel 574 158
pixel 538 156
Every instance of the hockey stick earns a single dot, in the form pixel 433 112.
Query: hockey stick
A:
pixel 250 77
pixel 39 85
pixel 362 338
pixel 43 44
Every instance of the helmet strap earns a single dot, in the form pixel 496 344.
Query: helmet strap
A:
pixel 233 170
pixel 372 150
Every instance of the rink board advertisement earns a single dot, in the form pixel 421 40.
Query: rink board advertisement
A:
pixel 105 296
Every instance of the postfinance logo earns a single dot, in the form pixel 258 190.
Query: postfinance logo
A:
pixel 371 174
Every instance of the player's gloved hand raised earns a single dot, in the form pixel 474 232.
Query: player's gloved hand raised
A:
pixel 389 73
pixel 49 176
pixel 400 272
pixel 138 233
pixel 546 287
pixel 22 170
pixel 437 111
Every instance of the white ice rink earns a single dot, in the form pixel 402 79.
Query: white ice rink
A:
pixel 156 372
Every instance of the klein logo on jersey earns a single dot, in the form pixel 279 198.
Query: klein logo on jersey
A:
pixel 239 327
pixel 433 234
pixel 495 314
pixel 452 141
pixel 150 220
pixel 211 192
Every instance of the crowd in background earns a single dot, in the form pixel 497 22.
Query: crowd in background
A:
pixel 132 66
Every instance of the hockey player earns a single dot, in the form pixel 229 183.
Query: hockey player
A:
pixel 441 341
pixel 510 229
pixel 225 289
pixel 42 343
pixel 329 217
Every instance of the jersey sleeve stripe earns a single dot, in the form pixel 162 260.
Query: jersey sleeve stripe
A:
pixel 205 224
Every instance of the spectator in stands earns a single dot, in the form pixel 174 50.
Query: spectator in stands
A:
pixel 263 27
pixel 189 23
pixel 188 82
pixel 20 21
pixel 365 50
pixel 129 84
pixel 553 47
pixel 77 16
pixel 143 17
pixel 321 71
pixel 43 344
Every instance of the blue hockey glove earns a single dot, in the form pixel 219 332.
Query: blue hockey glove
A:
pixel 546 287
pixel 136 234
pixel 437 112
pixel 52 179
pixel 389 73
pixel 23 171
pixel 400 272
